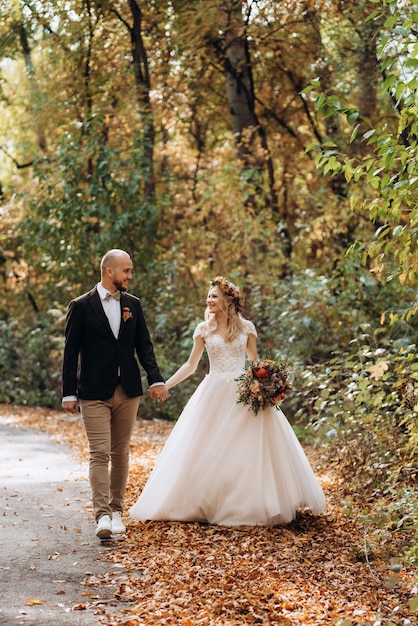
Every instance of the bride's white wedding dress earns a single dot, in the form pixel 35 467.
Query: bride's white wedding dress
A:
pixel 222 464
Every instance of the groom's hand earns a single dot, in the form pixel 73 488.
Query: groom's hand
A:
pixel 159 393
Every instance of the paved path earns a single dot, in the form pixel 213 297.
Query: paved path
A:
pixel 50 560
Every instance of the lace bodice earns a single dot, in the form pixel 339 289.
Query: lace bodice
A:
pixel 226 357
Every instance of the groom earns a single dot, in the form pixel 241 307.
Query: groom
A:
pixel 104 328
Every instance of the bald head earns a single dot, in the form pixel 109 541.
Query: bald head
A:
pixel 112 258
pixel 116 270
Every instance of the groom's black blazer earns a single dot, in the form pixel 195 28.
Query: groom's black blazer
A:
pixel 94 358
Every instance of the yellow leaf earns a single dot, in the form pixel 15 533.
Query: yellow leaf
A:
pixel 378 369
pixel 33 602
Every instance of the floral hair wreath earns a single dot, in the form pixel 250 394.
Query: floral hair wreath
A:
pixel 230 290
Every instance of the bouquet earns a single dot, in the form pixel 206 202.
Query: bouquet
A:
pixel 265 383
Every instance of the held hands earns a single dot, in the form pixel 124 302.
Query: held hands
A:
pixel 159 393
pixel 70 406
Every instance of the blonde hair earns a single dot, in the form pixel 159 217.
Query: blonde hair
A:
pixel 234 319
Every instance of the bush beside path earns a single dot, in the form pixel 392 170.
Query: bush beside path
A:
pixel 316 571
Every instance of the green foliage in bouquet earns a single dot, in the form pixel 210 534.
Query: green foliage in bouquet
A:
pixel 264 383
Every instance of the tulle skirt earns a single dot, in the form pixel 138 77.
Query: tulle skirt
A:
pixel 223 465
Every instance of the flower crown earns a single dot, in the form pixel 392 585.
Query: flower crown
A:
pixel 230 290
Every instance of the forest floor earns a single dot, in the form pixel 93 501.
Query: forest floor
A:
pixel 328 570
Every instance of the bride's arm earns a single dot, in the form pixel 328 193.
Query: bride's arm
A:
pixel 252 348
pixel 188 368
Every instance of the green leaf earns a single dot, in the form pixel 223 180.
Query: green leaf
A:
pixel 311 146
pixel 389 82
pixel 411 63
pixel 319 101
pixel 354 133
pixel 369 133
pixel 391 21
pixel 352 115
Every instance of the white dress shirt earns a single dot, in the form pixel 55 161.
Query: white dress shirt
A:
pixel 111 308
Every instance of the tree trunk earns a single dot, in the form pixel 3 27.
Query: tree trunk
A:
pixel 368 76
pixel 27 54
pixel 143 83
pixel 250 138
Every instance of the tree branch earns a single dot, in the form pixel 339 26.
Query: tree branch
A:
pixel 18 165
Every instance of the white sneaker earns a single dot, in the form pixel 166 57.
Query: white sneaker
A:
pixel 104 527
pixel 117 525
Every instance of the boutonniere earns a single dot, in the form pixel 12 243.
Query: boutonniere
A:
pixel 126 313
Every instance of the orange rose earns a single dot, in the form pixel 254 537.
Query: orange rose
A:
pixel 261 372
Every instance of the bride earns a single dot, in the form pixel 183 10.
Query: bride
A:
pixel 221 463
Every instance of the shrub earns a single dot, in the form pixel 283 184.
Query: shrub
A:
pixel 30 360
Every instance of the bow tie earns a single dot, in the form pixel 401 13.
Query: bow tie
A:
pixel 115 295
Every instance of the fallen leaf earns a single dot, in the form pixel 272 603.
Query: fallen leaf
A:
pixel 34 602
pixel 312 572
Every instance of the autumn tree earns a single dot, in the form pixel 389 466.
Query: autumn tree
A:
pixel 386 166
pixel 141 151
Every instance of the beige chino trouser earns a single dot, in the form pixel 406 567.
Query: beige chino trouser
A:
pixel 109 425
